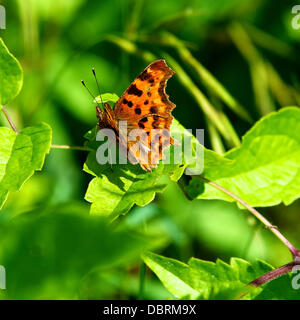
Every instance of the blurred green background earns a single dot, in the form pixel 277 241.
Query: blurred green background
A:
pixel 249 46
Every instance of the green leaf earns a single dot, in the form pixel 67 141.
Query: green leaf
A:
pixel 264 170
pixel 20 155
pixel 11 75
pixel 201 279
pixel 57 250
pixel 174 274
pixel 107 97
pixel 114 190
pixel 281 288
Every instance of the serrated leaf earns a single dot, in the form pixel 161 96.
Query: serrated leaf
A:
pixel 20 155
pixel 201 279
pixel 174 275
pixel 265 170
pixel 115 190
pixel 11 75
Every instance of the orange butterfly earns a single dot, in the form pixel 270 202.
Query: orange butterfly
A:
pixel 145 106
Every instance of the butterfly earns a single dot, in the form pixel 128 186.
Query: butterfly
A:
pixel 144 106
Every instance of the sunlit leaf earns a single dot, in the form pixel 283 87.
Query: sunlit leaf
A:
pixel 115 189
pixel 107 97
pixel 20 155
pixel 265 170
pixel 201 279
pixel 11 75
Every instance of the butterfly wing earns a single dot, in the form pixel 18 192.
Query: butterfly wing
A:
pixel 146 95
pixel 145 105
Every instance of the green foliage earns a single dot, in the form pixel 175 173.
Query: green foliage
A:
pixel 20 155
pixel 272 144
pixel 107 97
pixel 11 75
pixel 48 254
pixel 231 66
pixel 201 279
pixel 115 189
pixel 215 226
pixel 280 289
pixel 264 171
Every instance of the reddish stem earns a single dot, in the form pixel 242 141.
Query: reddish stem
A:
pixel 294 251
pixel 271 275
pixel 9 120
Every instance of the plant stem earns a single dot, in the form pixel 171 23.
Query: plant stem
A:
pixel 80 148
pixel 294 251
pixel 183 190
pixel 9 120
pixel 273 274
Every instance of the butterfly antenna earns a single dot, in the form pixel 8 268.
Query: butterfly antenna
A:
pixel 88 90
pixel 94 73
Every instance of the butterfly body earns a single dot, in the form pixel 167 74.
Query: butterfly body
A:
pixel 144 106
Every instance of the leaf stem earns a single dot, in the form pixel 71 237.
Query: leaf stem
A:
pixel 294 251
pixel 67 147
pixel 183 190
pixel 9 120
pixel 273 274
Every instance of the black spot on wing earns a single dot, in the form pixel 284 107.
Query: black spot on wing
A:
pixel 141 125
pixel 161 91
pixel 138 110
pixel 144 75
pixel 153 109
pixel 134 90
pixel 164 99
